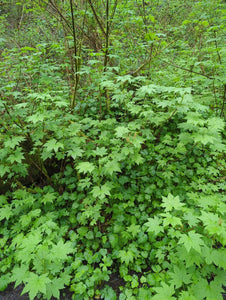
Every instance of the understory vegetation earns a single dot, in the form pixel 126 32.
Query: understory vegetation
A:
pixel 112 149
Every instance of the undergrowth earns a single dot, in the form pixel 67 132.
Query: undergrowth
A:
pixel 127 181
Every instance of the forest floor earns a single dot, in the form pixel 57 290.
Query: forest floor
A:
pixel 12 293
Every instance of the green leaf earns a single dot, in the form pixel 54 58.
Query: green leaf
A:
pixel 25 220
pixel 3 200
pixel 192 240
pixel 101 192
pixel 108 293
pixel 36 118
pixel 204 137
pixel 147 89
pixel 53 145
pixel 191 218
pixel 134 229
pixel 79 288
pixel 144 294
pixel 126 256
pixel 14 141
pixel 171 220
pixel 17 156
pixel 216 124
pixel 121 132
pixel 170 202
pixel 4 281
pixel 4 170
pixel 153 225
pixel 110 167
pixel 209 291
pixel 54 287
pixel 164 293
pixel 61 250
pixel 186 296
pixel 100 151
pixel 218 257
pixel 27 246
pixel 180 276
pixel 211 222
pixel 85 167
pixel 76 152
pixel 35 284
pixel 5 213
pixel 19 274
pixel 48 198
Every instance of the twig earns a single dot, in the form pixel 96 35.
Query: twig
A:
pixel 96 17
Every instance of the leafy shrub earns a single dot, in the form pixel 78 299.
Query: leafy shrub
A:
pixel 139 193
pixel 126 183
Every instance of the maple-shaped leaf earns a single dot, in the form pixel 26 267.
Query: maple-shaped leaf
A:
pixel 3 200
pixel 85 167
pixel 74 128
pixel 5 213
pixel 209 291
pixel 54 287
pixel 25 220
pixel 144 294
pixel 170 202
pixel 218 258
pixel 48 198
pixel 164 293
pixel 35 284
pixel 100 151
pixel 153 225
pixel 14 141
pixel 121 132
pixel 102 191
pixel 125 78
pixel 146 89
pixel 195 118
pixel 19 274
pixel 190 258
pixel 35 213
pixel 78 288
pixel 17 156
pixel 110 167
pixel 126 256
pixel 216 124
pixel 191 218
pixel 180 276
pixel 192 240
pixel 169 219
pixel 36 118
pixel 108 293
pixel 134 229
pixel 134 109
pixel 207 254
pixel 204 137
pixel 61 250
pixel 76 152
pixel 27 246
pixel 185 295
pixel 53 145
pixel 4 170
pixel 211 222
pixel 4 281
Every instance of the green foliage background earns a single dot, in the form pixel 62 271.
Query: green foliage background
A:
pixel 112 149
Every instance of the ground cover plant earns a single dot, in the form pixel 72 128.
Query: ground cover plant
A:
pixel 112 157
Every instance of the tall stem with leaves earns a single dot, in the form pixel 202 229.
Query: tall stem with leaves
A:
pixel 106 36
pixel 76 58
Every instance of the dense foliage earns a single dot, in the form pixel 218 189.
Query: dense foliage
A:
pixel 112 158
